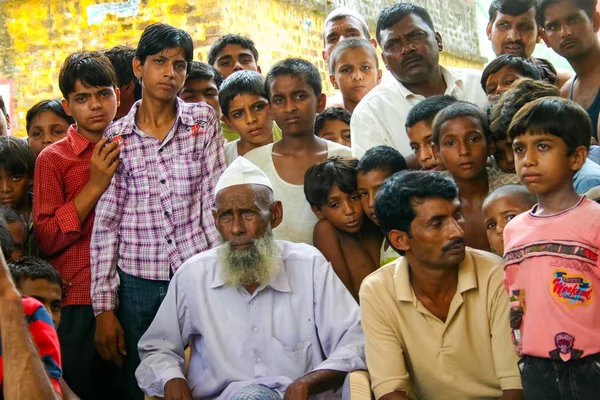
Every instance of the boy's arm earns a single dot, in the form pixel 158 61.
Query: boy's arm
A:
pixel 58 223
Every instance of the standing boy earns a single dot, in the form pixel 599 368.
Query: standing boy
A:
pixel 551 269
pixel 293 87
pixel 156 213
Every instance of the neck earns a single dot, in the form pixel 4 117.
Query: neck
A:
pixel 299 142
pixel 245 147
pixel 558 200
pixel 251 287
pixel 93 137
pixel 124 108
pixel 436 282
pixel 155 112
pixel 474 186
pixel 434 84
pixel 587 65
pixel 349 105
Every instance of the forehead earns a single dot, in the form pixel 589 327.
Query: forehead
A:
pixel 505 70
pixel 244 99
pixel 288 84
pixel 354 55
pixel 335 125
pixel 499 204
pixel 406 25
pixel 236 196
pixel 81 88
pixel 419 130
pixel 234 50
pixel 372 178
pixel 199 84
pixel 41 287
pixel 429 207
pixel 342 24
pixel 48 117
pixel 561 9
pixel 461 125
pixel 528 15
pixel 174 53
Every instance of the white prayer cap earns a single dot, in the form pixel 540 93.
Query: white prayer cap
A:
pixel 345 11
pixel 242 172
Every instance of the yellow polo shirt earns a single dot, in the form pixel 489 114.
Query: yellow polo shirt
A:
pixel 470 356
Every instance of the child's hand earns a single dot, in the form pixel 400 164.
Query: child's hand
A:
pixel 103 164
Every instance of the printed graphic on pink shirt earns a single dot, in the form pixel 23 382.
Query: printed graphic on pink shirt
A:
pixel 574 290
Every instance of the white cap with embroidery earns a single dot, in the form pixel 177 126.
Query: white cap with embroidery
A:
pixel 242 172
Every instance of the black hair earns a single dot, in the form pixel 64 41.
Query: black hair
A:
pixel 320 178
pixel 10 215
pixel 589 6
pixel 2 106
pixel 242 82
pixel 391 15
pixel 522 92
pixel 523 67
pixel 121 57
pixel 47 105
pixel 354 43
pixel 91 68
pixel 295 68
pixel 231 38
pixel 509 7
pixel 554 116
pixel 7 245
pixel 399 193
pixel 331 114
pixel 525 197
pixel 427 109
pixel 16 156
pixel 204 72
pixel 33 268
pixel 159 37
pixel 458 110
pixel 381 158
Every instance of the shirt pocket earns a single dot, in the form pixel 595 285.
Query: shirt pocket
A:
pixel 136 174
pixel 292 361
pixel 187 176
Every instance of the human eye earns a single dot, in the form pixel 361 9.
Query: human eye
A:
pixel 491 225
pixel 35 133
pixel 246 60
pixel 300 96
pixel 237 114
pixel 259 107
pixel 574 19
pixel 332 39
pixel 552 27
pixel 502 24
pixel 55 307
pixel 225 63
pixel 333 205
pixel 277 101
pixel 510 217
pixel 348 137
pixel 248 213
pixel 182 66
pixel 391 45
pixel 16 178
pixel 518 149
pixel 355 197
pixel 345 70
pixel 491 90
pixel 58 132
pixel 80 99
pixel 362 193
pixel 416 35
pixel 474 139
pixel 449 143
pixel 366 67
pixel 415 148
pixel 159 61
pixel 526 27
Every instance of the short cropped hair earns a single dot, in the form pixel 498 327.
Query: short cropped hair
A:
pixel 427 109
pixel 159 37
pixel 354 43
pixel 121 57
pixel 91 68
pixel 391 15
pixel 509 7
pixel 295 68
pixel 320 179
pixel 16 156
pixel 589 6
pixel 242 82
pixel 381 158
pixel 331 114
pixel 343 13
pixel 397 196
pixel 54 106
pixel 458 110
pixel 7 245
pixel 200 71
pixel 522 92
pixel 554 116
pixel 524 196
pixel 231 38
pixel 33 268
pixel 523 67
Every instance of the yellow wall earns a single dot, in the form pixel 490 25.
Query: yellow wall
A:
pixel 39 34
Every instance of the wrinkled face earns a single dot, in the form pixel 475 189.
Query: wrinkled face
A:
pixel 235 58
pixel 201 90
pixel 46 128
pixel 92 107
pixel 516 35
pixel 13 189
pixel 569 30
pixel 341 29
pixel 251 117
pixel 411 49
pixel 497 213
pixel 47 293
pixel 499 82
pixel 504 155
pixel 19 235
pixel 336 131
pixel 356 73
pixel 343 210
pixel 368 185
pixel 163 74
pixel 463 147
pixel 421 141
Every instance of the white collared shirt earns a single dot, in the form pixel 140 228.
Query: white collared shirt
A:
pixel 380 116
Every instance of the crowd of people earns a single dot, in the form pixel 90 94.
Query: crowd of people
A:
pixel 189 230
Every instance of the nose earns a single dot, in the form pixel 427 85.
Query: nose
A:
pixel 47 138
pixel 237 226
pixel 347 209
pixel 510 156
pixel 371 201
pixel 94 103
pixel 565 30
pixel 456 230
pixel 529 158
pixel 357 75
pixel 500 228
pixel 237 66
pixel 4 186
pixel 289 106
pixel 464 149
pixel 425 153
pixel 250 117
pixel 513 34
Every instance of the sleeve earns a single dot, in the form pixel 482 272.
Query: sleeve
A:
pixel 213 166
pixel 385 357
pixel 337 319
pixel 163 345
pixel 46 340
pixel 505 358
pixel 366 132
pixel 104 246
pixel 56 221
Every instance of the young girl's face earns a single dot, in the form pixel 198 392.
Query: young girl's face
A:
pixel 13 189
pixel 46 128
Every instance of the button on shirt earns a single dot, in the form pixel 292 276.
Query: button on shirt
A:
pixel 303 320
pixel 380 116
pixel 156 213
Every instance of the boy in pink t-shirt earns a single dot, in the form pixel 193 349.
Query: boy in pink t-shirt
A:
pixel 552 270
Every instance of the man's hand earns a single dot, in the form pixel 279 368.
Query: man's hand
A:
pixel 512 394
pixel 297 390
pixel 110 339
pixel 103 164
pixel 177 389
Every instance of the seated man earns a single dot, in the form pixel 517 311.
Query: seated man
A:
pixel 435 320
pixel 263 317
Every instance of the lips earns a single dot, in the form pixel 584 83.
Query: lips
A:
pixel 6 200
pixel 456 249
pixel 358 88
pixel 513 48
pixel 531 177
pixel 241 246
pixel 166 85
pixel 568 43
pixel 353 224
pixel 411 60
pixel 255 131
pixel 466 165
pixel 98 118
pixel 292 120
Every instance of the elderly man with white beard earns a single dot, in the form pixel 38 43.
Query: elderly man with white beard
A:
pixel 265 319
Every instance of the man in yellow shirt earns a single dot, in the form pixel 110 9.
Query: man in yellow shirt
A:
pixel 435 321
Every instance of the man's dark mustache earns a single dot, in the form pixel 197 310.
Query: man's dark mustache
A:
pixel 454 242
pixel 410 58
pixel 518 43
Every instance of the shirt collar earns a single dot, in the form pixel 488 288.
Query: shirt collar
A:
pixel 453 83
pixel 467 278
pixel 78 142
pixel 182 115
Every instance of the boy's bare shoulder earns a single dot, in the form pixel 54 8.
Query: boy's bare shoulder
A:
pixel 325 231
